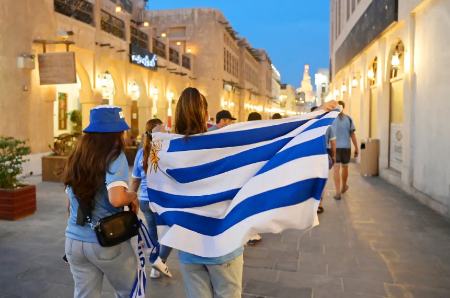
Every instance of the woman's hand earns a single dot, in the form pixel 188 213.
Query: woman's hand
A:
pixel 134 205
pixel 329 105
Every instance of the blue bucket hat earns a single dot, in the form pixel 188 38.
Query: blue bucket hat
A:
pixel 106 119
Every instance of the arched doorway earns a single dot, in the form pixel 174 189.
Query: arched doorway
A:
pixel 135 94
pixel 67 109
pixel 372 76
pixel 396 106
pixel 107 88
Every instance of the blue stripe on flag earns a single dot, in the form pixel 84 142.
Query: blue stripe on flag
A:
pixel 315 146
pixel 234 138
pixel 281 197
pixel 168 200
pixel 254 155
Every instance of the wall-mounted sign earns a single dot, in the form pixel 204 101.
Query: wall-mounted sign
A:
pixel 142 57
pixel 57 68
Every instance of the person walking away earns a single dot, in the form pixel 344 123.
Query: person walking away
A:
pixel 253 116
pixel 276 116
pixel 223 118
pixel 96 180
pixel 219 277
pixel 330 140
pixel 139 179
pixel 345 131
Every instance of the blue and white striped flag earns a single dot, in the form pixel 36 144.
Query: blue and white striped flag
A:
pixel 212 191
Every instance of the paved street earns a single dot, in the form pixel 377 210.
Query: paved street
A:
pixel 376 242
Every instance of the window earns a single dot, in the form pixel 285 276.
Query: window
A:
pixel 138 37
pixel 159 48
pixel 230 63
pixel 174 56
pixel 112 25
pixel 80 10
pixel 186 62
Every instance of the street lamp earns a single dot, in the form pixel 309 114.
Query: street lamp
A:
pixel 395 61
pixel 354 82
pixel 371 74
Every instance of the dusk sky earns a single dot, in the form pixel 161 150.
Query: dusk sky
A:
pixel 293 32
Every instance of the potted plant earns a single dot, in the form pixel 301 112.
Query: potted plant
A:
pixel 75 118
pixel 16 200
pixel 53 165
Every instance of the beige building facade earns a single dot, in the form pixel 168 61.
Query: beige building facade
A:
pixel 389 63
pixel 194 47
pixel 228 70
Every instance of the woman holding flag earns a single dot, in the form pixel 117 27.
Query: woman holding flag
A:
pixel 204 277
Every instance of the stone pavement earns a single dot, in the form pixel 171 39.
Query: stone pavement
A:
pixel 375 242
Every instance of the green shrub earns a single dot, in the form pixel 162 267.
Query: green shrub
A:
pixel 12 156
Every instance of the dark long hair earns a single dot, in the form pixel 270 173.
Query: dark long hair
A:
pixel 152 123
pixel 191 113
pixel 87 165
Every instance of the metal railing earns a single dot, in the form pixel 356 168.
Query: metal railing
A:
pixel 159 48
pixel 80 10
pixel 186 62
pixel 112 25
pixel 127 5
pixel 138 37
pixel 174 56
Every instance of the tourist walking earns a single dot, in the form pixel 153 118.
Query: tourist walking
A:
pixel 219 277
pixel 276 116
pixel 344 128
pixel 223 118
pixel 96 180
pixel 253 116
pixel 139 180
pixel 206 277
pixel 330 140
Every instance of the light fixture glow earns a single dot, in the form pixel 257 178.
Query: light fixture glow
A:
pixel 354 82
pixel 343 88
pixel 118 8
pixel 189 50
pixel 395 61
pixel 178 43
pixel 163 34
pixel 371 74
pixel 146 24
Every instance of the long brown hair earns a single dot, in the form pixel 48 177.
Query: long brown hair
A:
pixel 87 165
pixel 191 113
pixel 152 123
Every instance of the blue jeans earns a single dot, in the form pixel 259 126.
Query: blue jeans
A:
pixel 213 281
pixel 90 262
pixel 164 251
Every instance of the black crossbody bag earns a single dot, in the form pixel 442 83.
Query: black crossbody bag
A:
pixel 110 230
pixel 117 228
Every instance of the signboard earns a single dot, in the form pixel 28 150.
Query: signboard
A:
pixel 396 147
pixel 57 68
pixel 142 57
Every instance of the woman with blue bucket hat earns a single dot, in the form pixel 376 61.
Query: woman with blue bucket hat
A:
pixel 96 180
